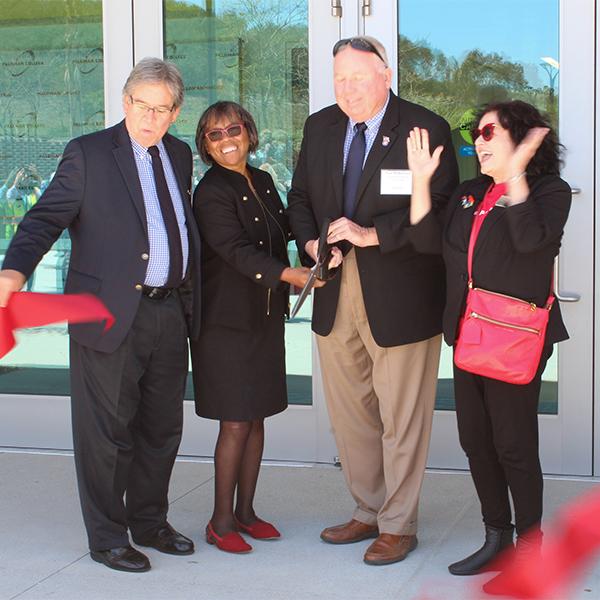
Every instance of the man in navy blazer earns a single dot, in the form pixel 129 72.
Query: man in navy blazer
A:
pixel 124 195
pixel 378 322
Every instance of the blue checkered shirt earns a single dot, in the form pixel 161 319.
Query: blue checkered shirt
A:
pixel 371 132
pixel 158 263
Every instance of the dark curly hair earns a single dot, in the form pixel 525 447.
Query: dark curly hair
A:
pixel 519 117
pixel 230 110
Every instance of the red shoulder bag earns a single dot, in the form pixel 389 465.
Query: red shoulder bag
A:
pixel 500 336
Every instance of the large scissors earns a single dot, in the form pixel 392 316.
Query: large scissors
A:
pixel 318 271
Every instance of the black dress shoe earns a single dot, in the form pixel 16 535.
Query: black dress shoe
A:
pixel 124 558
pixel 169 541
pixel 496 540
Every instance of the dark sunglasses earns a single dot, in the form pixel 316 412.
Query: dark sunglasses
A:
pixel 486 132
pixel 357 44
pixel 216 135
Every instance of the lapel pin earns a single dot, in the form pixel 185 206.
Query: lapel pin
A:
pixel 467 201
pixel 385 141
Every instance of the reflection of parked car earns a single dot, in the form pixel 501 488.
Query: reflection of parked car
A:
pixel 20 192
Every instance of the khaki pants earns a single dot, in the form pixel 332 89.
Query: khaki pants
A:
pixel 380 403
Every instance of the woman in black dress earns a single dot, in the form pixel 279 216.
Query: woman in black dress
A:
pixel 520 206
pixel 238 363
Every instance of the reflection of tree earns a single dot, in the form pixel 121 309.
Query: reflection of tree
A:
pixel 451 87
pixel 19 12
pixel 269 74
pixel 44 99
pixel 269 26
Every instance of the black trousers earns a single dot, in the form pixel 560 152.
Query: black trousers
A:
pixel 498 430
pixel 127 418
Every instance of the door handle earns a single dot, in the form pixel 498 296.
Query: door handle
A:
pixel 562 296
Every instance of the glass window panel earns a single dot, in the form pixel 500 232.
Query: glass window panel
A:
pixel 51 90
pixel 508 51
pixel 255 53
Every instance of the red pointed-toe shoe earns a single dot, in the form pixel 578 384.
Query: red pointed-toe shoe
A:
pixel 259 530
pixel 230 542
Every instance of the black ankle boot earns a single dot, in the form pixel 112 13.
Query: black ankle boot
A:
pixel 527 556
pixel 496 540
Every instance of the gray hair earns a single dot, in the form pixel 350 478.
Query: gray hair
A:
pixel 155 70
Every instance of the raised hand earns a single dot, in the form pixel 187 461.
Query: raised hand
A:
pixel 526 150
pixel 421 161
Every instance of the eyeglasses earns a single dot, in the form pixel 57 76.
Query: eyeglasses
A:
pixel 216 135
pixel 486 132
pixel 358 43
pixel 159 111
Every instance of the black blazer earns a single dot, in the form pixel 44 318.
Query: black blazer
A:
pixel 96 194
pixel 403 289
pixel 238 274
pixel 515 249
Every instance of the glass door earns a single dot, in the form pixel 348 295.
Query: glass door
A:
pixel 257 54
pixel 452 57
pixel 455 56
pixel 53 66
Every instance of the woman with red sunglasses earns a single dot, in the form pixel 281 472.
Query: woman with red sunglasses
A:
pixel 238 362
pixel 517 208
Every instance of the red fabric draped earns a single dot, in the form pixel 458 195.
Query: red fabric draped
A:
pixel 567 549
pixel 30 309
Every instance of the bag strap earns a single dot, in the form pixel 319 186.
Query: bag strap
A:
pixel 472 241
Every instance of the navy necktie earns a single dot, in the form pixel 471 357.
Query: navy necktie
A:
pixel 169 218
pixel 354 167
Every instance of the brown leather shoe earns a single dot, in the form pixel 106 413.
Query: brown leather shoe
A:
pixel 389 548
pixel 348 533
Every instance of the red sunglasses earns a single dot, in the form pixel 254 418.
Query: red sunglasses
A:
pixel 486 132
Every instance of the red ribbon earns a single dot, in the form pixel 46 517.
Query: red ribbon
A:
pixel 30 309
pixel 567 548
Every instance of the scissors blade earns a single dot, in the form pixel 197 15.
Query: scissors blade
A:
pixel 308 286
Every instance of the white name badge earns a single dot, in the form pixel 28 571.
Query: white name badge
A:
pixel 397 182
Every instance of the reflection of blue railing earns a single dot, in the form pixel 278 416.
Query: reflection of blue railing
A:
pixel 61 244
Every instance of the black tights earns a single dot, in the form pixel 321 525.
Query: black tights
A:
pixel 237 462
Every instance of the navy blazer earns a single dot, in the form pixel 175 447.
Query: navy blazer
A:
pixel 96 194
pixel 403 289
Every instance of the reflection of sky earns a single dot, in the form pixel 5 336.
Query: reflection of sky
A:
pixel 519 30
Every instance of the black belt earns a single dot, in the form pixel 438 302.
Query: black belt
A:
pixel 157 293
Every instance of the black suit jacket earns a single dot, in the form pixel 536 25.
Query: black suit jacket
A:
pixel 403 289
pixel 515 250
pixel 238 273
pixel 96 194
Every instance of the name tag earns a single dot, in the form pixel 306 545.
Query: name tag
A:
pixel 397 182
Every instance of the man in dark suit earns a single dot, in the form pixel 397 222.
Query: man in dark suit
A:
pixel 378 322
pixel 124 195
